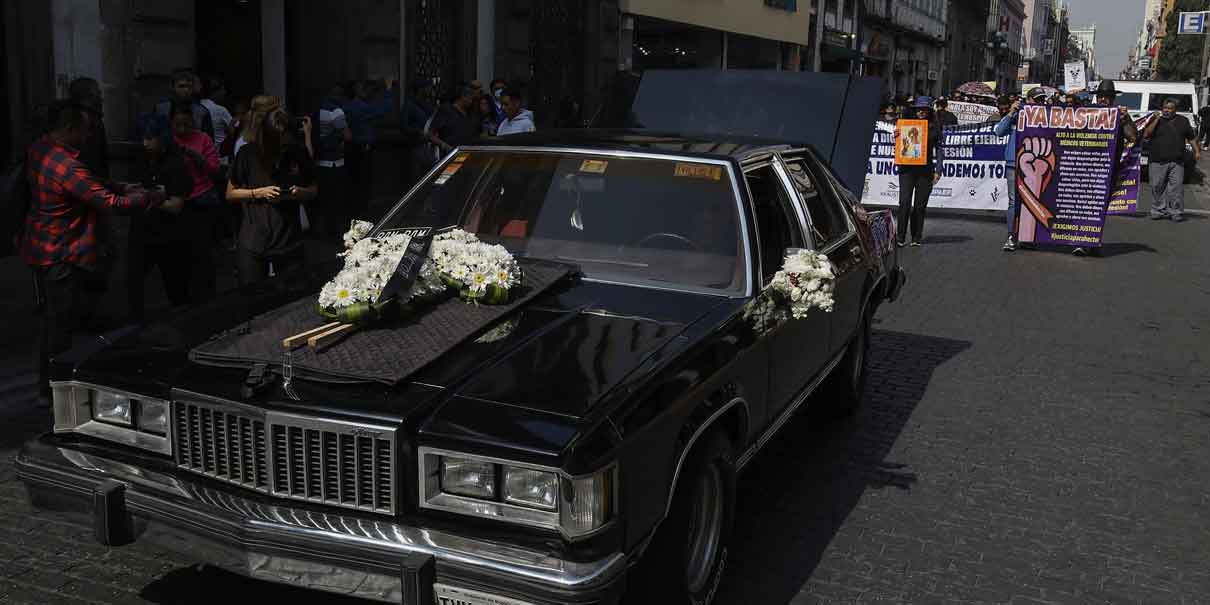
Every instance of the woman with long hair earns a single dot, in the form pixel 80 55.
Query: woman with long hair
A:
pixel 916 181
pixel 271 174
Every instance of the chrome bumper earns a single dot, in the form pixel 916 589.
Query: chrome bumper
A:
pixel 345 554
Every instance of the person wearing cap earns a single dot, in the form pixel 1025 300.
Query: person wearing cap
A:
pixel 916 182
pixel 944 116
pixel 1006 126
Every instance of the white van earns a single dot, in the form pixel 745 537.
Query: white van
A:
pixel 1142 97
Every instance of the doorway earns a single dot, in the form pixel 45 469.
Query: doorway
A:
pixel 229 45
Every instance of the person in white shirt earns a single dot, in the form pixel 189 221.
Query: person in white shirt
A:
pixel 216 95
pixel 516 119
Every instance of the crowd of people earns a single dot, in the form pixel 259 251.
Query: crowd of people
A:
pixel 1167 133
pixel 256 180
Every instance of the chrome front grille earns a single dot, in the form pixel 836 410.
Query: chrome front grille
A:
pixel 327 461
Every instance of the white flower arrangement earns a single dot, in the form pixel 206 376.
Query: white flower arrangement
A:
pixel 479 271
pixel 806 281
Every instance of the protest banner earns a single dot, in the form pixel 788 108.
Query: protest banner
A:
pixel 1125 196
pixel 972 113
pixel 972 172
pixel 1065 164
pixel 1074 76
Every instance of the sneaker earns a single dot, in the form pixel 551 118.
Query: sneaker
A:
pixel 1176 218
pixel 1009 245
pixel 1158 217
pixel 916 243
pixel 900 243
pixel 1079 251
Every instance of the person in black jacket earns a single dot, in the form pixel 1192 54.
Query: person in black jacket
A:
pixel 916 181
pixel 157 238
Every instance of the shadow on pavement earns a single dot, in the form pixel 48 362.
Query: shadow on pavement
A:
pixel 947 239
pixel 804 484
pixel 1120 248
pixel 204 585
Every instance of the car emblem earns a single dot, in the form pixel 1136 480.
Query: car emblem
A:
pixel 366 433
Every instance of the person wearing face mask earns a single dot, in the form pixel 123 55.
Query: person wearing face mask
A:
pixel 1168 134
pixel 889 114
pixel 497 89
pixel 916 182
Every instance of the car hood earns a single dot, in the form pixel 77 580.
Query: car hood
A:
pixel 554 360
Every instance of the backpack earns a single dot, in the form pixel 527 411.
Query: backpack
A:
pixel 15 199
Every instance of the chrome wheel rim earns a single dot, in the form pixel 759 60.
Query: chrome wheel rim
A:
pixel 705 528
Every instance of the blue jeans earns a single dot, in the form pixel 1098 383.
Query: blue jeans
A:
pixel 1010 177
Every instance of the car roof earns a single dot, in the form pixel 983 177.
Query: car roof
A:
pixel 738 147
pixel 1153 85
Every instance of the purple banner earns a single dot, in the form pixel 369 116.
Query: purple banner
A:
pixel 1065 165
pixel 1125 196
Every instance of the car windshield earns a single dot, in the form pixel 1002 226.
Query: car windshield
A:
pixel 1130 100
pixel 643 221
pixel 1184 103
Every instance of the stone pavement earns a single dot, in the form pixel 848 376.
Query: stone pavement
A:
pixel 1034 430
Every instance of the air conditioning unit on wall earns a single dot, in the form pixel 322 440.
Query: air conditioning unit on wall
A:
pixel 933 77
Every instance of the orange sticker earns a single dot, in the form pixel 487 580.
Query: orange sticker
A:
pixel 452 168
pixel 594 166
pixel 699 171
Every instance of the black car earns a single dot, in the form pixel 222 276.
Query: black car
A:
pixel 581 449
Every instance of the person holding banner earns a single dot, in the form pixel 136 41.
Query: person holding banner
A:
pixel 944 117
pixel 918 158
pixel 1007 127
pixel 1168 134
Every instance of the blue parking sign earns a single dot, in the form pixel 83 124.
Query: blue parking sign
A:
pixel 1192 23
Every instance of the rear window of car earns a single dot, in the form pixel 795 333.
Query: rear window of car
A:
pixel 1184 103
pixel 1131 100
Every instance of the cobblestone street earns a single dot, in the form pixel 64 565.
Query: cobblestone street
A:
pixel 1034 430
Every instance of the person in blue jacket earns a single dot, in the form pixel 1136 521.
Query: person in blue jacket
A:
pixel 1007 126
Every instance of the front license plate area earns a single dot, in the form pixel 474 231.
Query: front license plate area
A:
pixel 444 594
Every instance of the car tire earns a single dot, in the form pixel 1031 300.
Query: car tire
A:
pixel 685 561
pixel 843 389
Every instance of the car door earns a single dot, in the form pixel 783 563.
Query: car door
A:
pixel 797 348
pixel 833 232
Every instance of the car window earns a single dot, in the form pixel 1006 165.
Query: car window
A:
pixel 1155 101
pixel 645 221
pixel 828 221
pixel 776 221
pixel 1130 100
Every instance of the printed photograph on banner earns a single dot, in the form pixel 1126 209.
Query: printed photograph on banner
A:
pixel 1065 169
pixel 911 142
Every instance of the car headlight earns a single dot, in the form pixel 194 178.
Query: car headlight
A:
pixel 528 487
pixel 153 417
pixel 517 493
pixel 112 407
pixel 468 477
pixel 112 415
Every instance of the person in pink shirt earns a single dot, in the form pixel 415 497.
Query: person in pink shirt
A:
pixel 204 206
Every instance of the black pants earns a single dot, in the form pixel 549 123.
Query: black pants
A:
pixel 176 271
pixel 201 214
pixel 329 212
pixel 63 289
pixel 915 187
pixel 254 268
pixel 359 160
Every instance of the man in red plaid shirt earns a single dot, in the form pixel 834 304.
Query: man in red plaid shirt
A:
pixel 59 239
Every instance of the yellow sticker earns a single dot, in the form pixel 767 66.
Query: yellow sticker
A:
pixel 462 157
pixel 594 166
pixel 699 171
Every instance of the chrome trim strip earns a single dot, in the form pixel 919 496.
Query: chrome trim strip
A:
pixel 693 439
pixel 846 238
pixel 533 517
pixel 789 411
pixel 716 293
pixel 728 164
pixel 162 498
pixel 73 416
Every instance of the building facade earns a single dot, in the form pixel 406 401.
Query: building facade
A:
pixel 1005 27
pixel 1085 39
pixel 966 43
pixel 904 43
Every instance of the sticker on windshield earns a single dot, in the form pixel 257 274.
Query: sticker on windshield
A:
pixel 449 171
pixel 699 171
pixel 594 166
pixel 462 157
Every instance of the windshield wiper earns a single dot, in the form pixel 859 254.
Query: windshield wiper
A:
pixel 603 261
